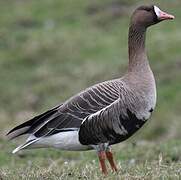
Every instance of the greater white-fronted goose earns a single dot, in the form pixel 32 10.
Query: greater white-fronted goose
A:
pixel 106 113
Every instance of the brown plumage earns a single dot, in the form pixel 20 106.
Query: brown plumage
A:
pixel 106 113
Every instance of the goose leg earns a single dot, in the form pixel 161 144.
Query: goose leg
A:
pixel 102 158
pixel 110 158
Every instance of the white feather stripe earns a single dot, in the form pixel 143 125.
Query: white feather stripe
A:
pixel 25 145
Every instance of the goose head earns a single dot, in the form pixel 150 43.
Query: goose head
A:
pixel 145 16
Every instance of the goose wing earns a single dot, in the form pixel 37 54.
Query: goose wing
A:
pixel 69 115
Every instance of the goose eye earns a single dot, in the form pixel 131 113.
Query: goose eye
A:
pixel 148 10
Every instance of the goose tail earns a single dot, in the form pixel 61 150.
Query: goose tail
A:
pixel 30 126
pixel 25 145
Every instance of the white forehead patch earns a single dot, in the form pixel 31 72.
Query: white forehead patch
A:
pixel 157 11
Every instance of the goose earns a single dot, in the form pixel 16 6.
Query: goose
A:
pixel 108 112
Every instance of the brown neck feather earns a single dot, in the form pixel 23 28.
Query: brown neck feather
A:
pixel 136 46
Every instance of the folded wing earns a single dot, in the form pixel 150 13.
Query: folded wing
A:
pixel 70 114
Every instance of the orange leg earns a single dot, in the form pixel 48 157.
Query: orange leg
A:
pixel 109 156
pixel 102 158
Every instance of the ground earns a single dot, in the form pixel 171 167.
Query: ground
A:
pixel 141 160
pixel 50 50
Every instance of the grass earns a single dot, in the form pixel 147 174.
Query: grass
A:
pixel 47 46
pixel 136 160
pixel 140 160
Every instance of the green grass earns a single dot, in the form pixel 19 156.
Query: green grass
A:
pixel 46 46
pixel 139 160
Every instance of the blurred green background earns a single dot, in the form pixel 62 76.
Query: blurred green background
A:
pixel 52 49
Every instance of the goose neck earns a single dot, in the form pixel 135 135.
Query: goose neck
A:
pixel 136 46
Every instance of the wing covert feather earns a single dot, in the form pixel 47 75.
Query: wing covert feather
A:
pixel 76 109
